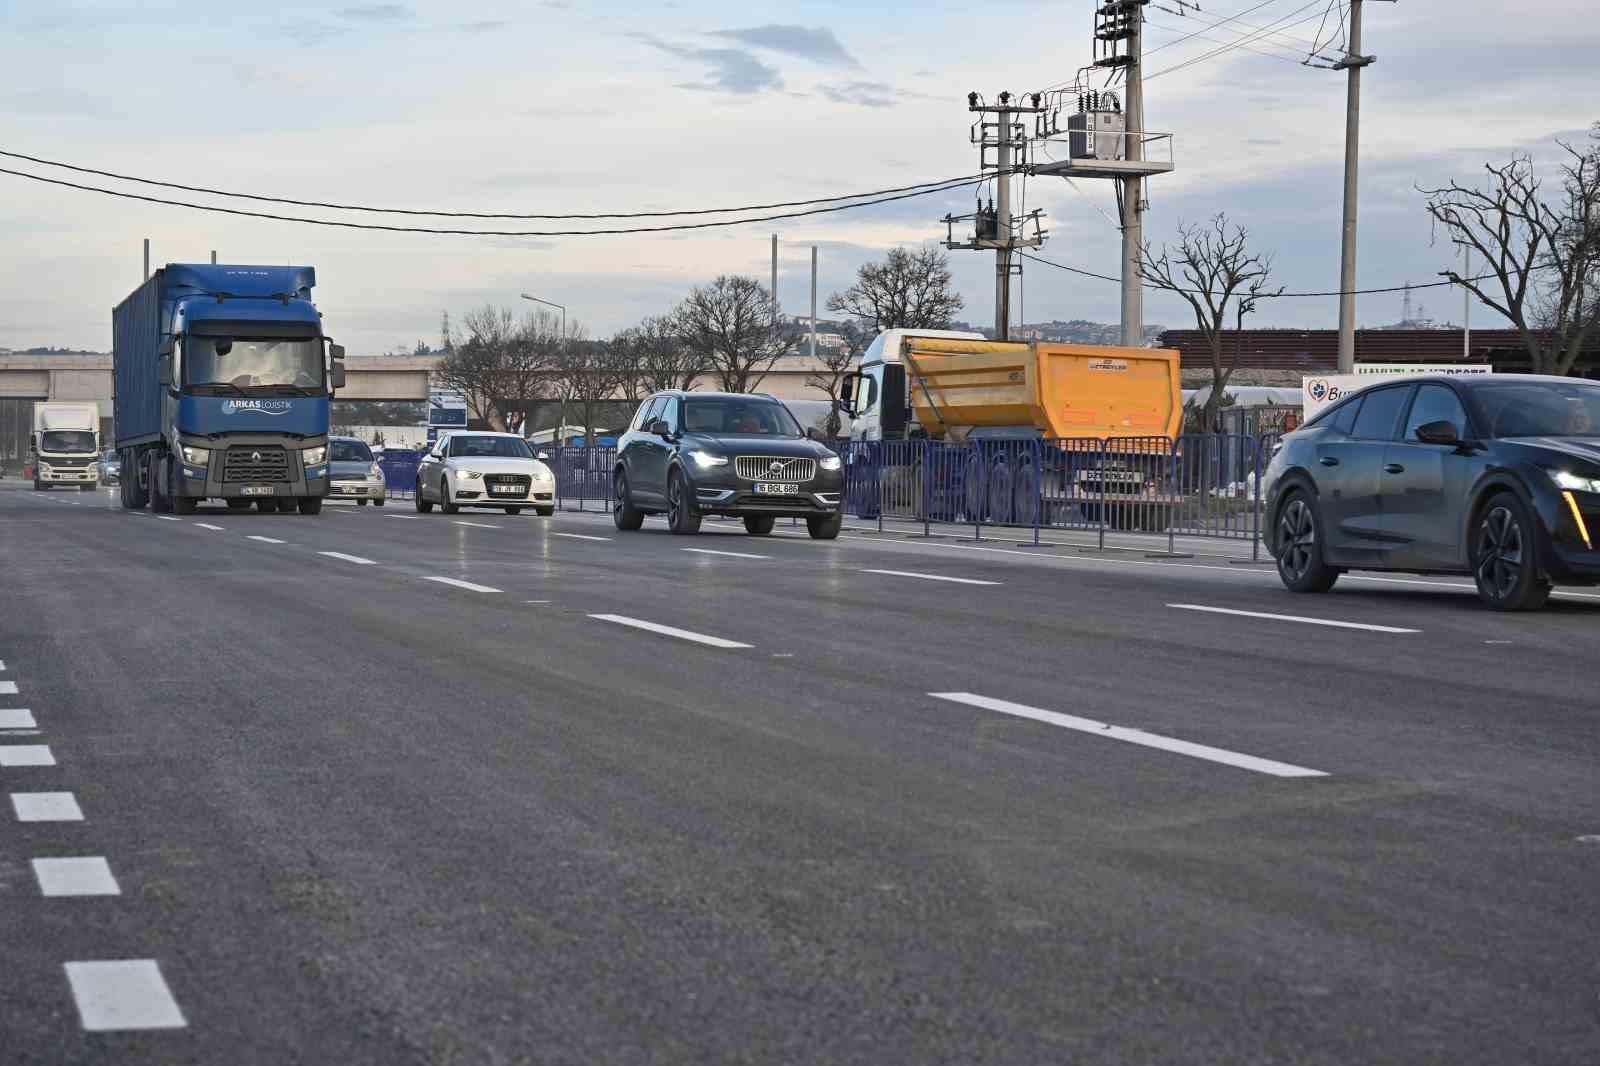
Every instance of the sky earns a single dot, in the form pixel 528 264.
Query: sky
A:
pixel 568 106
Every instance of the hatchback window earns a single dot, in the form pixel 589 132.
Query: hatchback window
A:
pixel 350 451
pixel 1380 411
pixel 1436 403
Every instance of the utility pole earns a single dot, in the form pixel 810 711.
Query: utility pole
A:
pixel 1002 212
pixel 774 280
pixel 213 257
pixel 1133 204
pixel 813 302
pixel 147 259
pixel 1466 303
pixel 1352 61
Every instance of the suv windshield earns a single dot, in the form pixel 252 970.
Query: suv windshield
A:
pixel 1538 409
pixel 489 447
pixel 739 417
pixel 66 440
pixel 267 362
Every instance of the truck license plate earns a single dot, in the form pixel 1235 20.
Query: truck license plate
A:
pixel 771 488
pixel 257 490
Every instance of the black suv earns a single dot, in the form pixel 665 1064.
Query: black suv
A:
pixel 688 454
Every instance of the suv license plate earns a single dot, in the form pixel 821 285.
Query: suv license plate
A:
pixel 257 490
pixel 769 488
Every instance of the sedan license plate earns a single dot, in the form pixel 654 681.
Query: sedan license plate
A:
pixel 506 490
pixel 771 488
pixel 257 490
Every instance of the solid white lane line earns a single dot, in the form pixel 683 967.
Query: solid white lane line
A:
pixel 88 875
pixel 358 560
pixel 168 518
pixel 476 525
pixel 579 536
pixel 1291 618
pixel 669 631
pixel 469 586
pixel 8 688
pixel 265 540
pixel 17 718
pixel 931 577
pixel 208 525
pixel 46 807
pixel 26 755
pixel 115 994
pixel 1132 736
pixel 731 555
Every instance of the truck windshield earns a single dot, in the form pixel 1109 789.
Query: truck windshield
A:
pixel 253 363
pixel 67 441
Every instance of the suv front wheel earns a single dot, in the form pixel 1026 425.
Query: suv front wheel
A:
pixel 623 514
pixel 681 516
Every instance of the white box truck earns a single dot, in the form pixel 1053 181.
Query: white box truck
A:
pixel 66 445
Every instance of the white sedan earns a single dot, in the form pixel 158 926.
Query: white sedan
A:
pixel 472 469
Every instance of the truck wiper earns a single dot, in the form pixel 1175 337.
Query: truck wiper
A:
pixel 237 391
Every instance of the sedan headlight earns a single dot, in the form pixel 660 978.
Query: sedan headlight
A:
pixel 472 475
pixel 707 460
pixel 542 473
pixel 829 462
pixel 196 456
pixel 314 456
pixel 1576 482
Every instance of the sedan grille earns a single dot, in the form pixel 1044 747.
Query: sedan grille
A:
pixel 775 468
pixel 245 462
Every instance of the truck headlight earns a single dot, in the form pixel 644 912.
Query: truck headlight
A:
pixel 196 456
pixel 44 468
pixel 707 460
pixel 1575 482
pixel 314 456
pixel 829 462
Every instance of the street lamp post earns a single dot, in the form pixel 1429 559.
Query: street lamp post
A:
pixel 562 431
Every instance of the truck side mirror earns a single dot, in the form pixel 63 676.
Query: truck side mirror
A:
pixel 164 370
pixel 847 389
pixel 336 376
pixel 335 351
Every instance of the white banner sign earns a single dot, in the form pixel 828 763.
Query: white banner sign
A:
pixel 1317 392
pixel 1371 369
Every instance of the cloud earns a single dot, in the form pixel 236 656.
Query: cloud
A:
pixel 861 93
pixel 732 70
pixel 816 44
pixel 486 26
pixel 376 13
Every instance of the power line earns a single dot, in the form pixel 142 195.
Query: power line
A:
pixel 1212 26
pixel 471 214
pixel 950 187
pixel 1270 55
pixel 1213 53
pixel 1284 40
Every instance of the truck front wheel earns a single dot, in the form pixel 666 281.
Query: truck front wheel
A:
pixel 160 502
pixel 310 505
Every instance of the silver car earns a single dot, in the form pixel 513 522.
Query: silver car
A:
pixel 353 472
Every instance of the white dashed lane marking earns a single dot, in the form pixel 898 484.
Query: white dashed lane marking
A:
pixel 46 807
pixel 579 536
pixel 17 718
pixel 88 875
pixel 731 555
pixel 26 755
pixel 358 560
pixel 476 525
pixel 208 525
pixel 168 518
pixel 669 631
pixel 469 586
pixel 931 577
pixel 1131 736
pixel 265 540
pixel 1291 618
pixel 118 994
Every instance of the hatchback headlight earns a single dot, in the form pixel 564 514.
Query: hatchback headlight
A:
pixel 196 456
pixel 375 471
pixel 1575 482
pixel 707 460
pixel 829 462
pixel 472 475
pixel 314 456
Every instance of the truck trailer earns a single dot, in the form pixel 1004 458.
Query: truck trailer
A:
pixel 65 445
pixel 223 383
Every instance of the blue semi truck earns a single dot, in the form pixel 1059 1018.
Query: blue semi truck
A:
pixel 223 381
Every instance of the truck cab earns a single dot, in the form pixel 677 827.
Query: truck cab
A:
pixel 875 396
pixel 65 445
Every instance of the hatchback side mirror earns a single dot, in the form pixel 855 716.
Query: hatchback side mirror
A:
pixel 1440 432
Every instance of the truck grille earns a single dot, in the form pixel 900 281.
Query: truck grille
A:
pixel 255 463
pixel 774 468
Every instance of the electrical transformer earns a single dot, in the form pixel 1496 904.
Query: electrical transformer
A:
pixel 1096 135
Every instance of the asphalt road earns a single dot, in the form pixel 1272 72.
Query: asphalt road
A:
pixel 881 800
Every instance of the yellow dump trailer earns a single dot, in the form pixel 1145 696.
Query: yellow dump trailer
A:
pixel 1061 390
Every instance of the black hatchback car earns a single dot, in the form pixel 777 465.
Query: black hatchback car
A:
pixel 1493 475
pixel 689 454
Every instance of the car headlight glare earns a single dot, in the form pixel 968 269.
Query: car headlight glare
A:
pixel 314 456
pixel 707 460
pixel 196 456
pixel 472 475
pixel 829 462
pixel 1575 482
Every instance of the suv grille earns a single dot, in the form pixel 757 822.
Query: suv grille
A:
pixel 246 463
pixel 774 468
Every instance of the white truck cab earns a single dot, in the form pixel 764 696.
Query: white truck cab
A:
pixel 876 394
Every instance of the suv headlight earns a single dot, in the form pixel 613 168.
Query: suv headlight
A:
pixel 472 475
pixel 829 462
pixel 707 460
pixel 196 456
pixel 1576 483
pixel 314 456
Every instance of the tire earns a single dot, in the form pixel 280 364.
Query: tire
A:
pixel 545 512
pixel 513 510
pixel 1025 495
pixel 758 525
pixel 1505 556
pixel 38 486
pixel 310 505
pixel 137 498
pixel 422 505
pixel 240 504
pixel 825 528
pixel 623 514
pixel 1300 564
pixel 185 504
pixel 444 498
pixel 159 503
pixel 267 505
pixel 681 518
pixel 87 488
pixel 361 502
pixel 378 502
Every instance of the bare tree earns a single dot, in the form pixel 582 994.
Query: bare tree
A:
pixel 833 366
pixel 734 327
pixel 501 366
pixel 1211 267
pixel 588 374
pixel 654 357
pixel 907 290
pixel 525 373
pixel 1542 254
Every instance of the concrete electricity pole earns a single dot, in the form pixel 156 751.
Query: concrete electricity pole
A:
pixel 813 302
pixel 147 259
pixel 1352 61
pixel 1133 204
pixel 774 279
pixel 1002 212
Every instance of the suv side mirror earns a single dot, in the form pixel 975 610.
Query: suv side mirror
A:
pixel 659 427
pixel 1440 432
pixel 811 433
